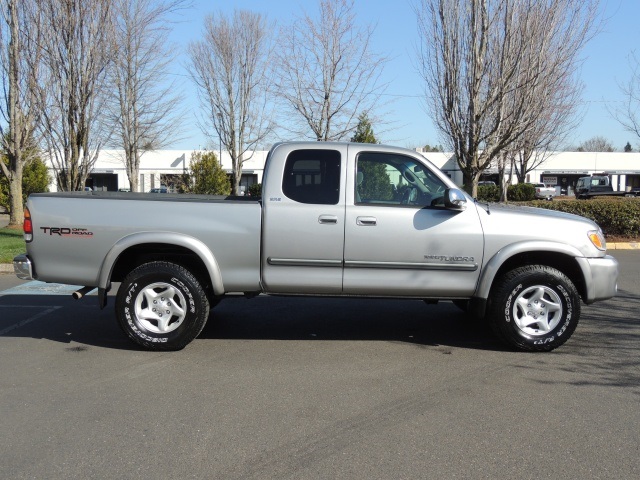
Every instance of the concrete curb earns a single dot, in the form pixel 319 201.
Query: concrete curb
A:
pixel 8 267
pixel 623 246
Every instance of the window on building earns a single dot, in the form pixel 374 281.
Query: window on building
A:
pixel 247 180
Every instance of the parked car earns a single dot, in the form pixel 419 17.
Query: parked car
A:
pixel 486 183
pixel 323 227
pixel 596 186
pixel 159 190
pixel 542 191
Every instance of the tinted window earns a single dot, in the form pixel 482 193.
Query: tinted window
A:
pixel 312 176
pixel 389 179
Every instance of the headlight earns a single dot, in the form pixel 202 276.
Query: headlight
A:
pixel 597 239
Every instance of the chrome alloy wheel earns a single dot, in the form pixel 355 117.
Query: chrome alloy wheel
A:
pixel 537 310
pixel 160 307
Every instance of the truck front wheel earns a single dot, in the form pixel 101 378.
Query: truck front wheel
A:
pixel 161 306
pixel 534 308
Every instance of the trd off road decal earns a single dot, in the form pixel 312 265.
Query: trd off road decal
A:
pixel 67 232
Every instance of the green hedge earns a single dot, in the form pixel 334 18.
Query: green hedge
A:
pixel 520 192
pixel 255 190
pixel 488 193
pixel 618 216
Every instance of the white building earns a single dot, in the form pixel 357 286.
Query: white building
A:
pixel 160 168
pixel 560 169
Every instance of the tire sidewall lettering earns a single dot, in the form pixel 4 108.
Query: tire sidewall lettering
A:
pixel 569 307
pixel 187 292
pixel 507 306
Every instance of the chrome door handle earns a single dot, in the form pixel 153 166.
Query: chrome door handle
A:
pixel 367 221
pixel 330 219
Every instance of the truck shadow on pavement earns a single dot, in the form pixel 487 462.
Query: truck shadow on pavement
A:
pixel 312 319
pixel 606 342
pixel 82 323
pixel 63 320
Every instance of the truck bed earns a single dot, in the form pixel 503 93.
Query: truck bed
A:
pixel 75 231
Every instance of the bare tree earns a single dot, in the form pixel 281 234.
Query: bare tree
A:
pixel 327 72
pixel 596 144
pixel 19 107
pixel 628 114
pixel 556 117
pixel 555 113
pixel 493 69
pixel 147 114
pixel 76 37
pixel 230 67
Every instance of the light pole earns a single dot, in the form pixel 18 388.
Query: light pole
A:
pixel 220 137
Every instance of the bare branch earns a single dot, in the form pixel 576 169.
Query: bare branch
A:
pixel 628 114
pixel 327 73
pixel 146 114
pixel 20 54
pixel 501 75
pixel 231 68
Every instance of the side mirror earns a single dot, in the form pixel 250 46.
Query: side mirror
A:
pixel 454 199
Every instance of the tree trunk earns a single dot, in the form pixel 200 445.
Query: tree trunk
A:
pixel 16 215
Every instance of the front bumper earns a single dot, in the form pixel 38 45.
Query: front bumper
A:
pixel 603 283
pixel 23 267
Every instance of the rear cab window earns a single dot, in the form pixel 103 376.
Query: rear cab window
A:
pixel 313 176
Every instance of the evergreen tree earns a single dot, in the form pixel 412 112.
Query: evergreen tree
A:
pixel 35 178
pixel 207 175
pixel 429 148
pixel 628 147
pixel 364 131
pixel 376 183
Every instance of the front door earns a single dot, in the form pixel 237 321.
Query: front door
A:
pixel 399 238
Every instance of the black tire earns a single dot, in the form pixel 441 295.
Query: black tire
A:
pixel 534 308
pixel 161 306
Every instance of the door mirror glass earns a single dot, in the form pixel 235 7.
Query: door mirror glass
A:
pixel 454 199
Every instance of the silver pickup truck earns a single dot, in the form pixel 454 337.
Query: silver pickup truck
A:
pixel 335 219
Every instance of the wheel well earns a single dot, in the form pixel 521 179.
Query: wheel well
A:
pixel 564 263
pixel 150 252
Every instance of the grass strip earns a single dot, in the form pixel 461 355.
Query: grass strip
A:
pixel 11 244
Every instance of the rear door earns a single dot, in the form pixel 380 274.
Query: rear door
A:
pixel 303 237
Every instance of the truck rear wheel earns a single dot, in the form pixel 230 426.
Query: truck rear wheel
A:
pixel 161 306
pixel 534 308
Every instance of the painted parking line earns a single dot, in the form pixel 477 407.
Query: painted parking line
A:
pixel 49 309
pixel 42 288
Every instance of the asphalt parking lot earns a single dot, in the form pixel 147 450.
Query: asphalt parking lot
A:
pixel 314 388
